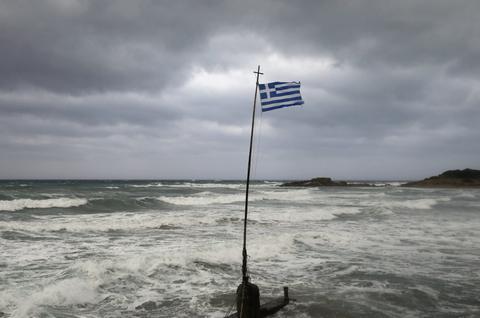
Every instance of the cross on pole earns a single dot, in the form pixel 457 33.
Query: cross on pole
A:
pixel 258 73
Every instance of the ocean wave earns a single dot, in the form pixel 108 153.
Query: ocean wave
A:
pixel 294 195
pixel 102 223
pixel 418 204
pixel 203 198
pixel 208 185
pixel 150 185
pixel 289 215
pixel 66 292
pixel 388 183
pixel 20 204
pixel 190 185
pixel 357 195
pixel 208 197
pixel 466 195
pixel 272 182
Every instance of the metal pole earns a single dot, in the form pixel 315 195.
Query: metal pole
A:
pixel 244 253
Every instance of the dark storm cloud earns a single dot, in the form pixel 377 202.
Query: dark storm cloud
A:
pixel 406 33
pixel 162 88
pixel 91 110
pixel 79 46
pixel 100 45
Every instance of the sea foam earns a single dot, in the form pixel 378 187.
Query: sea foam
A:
pixel 209 185
pixel 208 198
pixel 420 204
pixel 60 293
pixel 150 185
pixel 203 198
pixel 20 204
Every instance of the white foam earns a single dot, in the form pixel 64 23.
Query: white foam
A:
pixel 102 222
pixel 61 293
pixel 271 246
pixel 295 195
pixel 203 198
pixel 208 185
pixel 388 183
pixel 150 185
pixel 20 204
pixel 420 204
pixel 289 215
pixel 396 183
pixel 191 185
pixel 207 197
pixel 468 195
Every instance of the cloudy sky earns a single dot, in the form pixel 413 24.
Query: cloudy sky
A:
pixel 164 89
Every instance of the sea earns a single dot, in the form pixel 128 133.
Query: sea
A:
pixel 159 248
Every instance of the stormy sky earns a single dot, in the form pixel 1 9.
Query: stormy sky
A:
pixel 164 89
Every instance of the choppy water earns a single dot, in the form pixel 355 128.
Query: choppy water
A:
pixel 101 248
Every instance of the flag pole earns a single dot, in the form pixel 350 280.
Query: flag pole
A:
pixel 244 252
pixel 248 294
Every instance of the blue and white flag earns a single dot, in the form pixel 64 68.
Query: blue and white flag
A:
pixel 279 94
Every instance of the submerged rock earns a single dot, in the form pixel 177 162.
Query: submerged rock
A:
pixel 451 178
pixel 148 305
pixel 322 182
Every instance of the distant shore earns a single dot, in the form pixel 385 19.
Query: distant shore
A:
pixel 466 178
pixel 324 182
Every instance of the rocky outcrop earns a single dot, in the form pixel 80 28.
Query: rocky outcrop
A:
pixel 322 182
pixel 451 178
pixel 148 305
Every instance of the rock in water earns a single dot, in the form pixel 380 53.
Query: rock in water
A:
pixel 451 178
pixel 323 182
pixel 148 305
pixel 315 182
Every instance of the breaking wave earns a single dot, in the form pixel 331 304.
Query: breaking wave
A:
pixel 190 185
pixel 207 197
pixel 150 185
pixel 208 185
pixel 70 291
pixel 102 223
pixel 421 204
pixel 203 198
pixel 20 204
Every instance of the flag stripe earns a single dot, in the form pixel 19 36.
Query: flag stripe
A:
pixel 275 94
pixel 284 103
pixel 287 87
pixel 265 103
pixel 281 106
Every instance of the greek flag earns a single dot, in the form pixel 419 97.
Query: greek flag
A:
pixel 279 94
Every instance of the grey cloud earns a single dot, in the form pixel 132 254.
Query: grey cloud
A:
pixel 111 85
pixel 100 109
pixel 100 45
pixel 104 45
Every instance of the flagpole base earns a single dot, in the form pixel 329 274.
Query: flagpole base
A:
pixel 248 300
pixel 251 308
